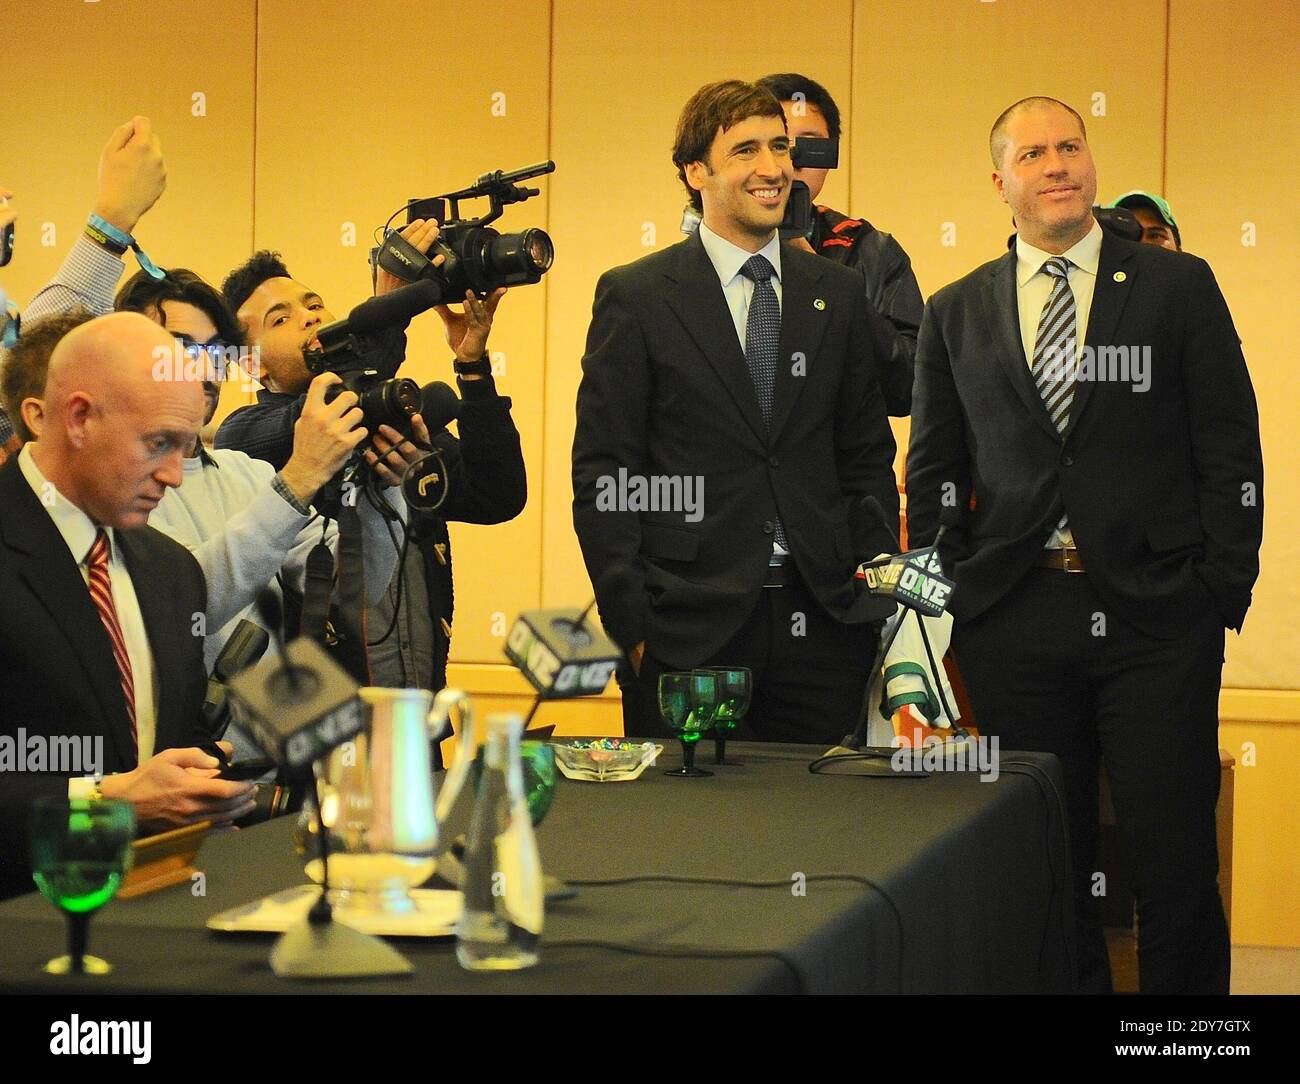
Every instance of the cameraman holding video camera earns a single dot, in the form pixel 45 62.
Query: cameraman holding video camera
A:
pixel 812 115
pixel 485 479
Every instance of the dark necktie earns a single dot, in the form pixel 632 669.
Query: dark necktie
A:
pixel 1054 345
pixel 762 343
pixel 1054 349
pixel 101 594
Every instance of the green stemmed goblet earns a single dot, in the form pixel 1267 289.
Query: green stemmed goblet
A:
pixel 687 702
pixel 735 690
pixel 81 850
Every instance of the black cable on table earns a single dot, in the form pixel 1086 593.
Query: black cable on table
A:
pixel 728 882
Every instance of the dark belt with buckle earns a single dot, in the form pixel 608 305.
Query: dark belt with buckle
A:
pixel 781 575
pixel 1063 560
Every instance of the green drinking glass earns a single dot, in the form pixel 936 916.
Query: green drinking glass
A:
pixel 735 691
pixel 538 758
pixel 81 850
pixel 687 702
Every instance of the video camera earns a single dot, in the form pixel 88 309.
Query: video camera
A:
pixel 475 257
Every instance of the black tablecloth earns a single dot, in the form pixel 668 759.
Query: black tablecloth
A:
pixel 951 885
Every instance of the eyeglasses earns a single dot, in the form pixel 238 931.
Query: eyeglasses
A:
pixel 214 349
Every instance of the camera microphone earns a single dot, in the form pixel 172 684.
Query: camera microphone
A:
pixel 424 485
pixel 395 308
pixel 439 405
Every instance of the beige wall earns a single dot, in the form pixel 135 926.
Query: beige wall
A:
pixel 331 113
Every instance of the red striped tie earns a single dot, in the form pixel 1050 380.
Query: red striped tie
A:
pixel 101 594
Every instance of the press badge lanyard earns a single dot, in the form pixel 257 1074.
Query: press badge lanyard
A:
pixel 107 231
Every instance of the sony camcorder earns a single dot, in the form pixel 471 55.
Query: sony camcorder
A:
pixel 474 256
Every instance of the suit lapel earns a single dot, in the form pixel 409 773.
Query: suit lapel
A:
pixel 802 326
pixel 1108 298
pixel 1002 311
pixel 698 300
pixel 55 579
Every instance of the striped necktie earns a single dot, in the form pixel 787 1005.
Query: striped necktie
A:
pixel 1054 347
pixel 101 594
pixel 1054 350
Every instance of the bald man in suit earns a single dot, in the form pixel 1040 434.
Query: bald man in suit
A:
pixel 98 634
pixel 1089 393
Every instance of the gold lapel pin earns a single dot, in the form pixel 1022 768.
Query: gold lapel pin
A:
pixel 1120 276
pixel 819 304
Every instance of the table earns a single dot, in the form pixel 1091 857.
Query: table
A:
pixel 955 886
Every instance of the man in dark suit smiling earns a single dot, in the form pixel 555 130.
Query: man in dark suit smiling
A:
pixel 1084 421
pixel 98 634
pixel 744 372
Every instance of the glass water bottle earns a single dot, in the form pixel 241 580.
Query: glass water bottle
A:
pixel 501 927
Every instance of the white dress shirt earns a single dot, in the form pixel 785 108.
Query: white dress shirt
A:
pixel 1034 286
pixel 78 532
pixel 738 289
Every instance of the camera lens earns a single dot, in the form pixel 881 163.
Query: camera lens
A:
pixel 539 248
pixel 390 403
pixel 514 258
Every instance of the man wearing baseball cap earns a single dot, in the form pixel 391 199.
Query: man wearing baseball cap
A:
pixel 1158 225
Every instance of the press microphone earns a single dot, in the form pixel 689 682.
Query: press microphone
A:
pixel 300 705
pixel 560 654
pixel 914 579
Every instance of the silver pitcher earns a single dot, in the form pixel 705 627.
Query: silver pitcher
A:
pixel 377 799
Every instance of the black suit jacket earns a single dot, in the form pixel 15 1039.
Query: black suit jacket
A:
pixel 666 392
pixel 1163 488
pixel 57 672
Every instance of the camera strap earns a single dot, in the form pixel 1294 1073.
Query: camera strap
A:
pixel 317 588
pixel 351 649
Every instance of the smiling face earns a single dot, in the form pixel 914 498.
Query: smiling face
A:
pixel 745 182
pixel 281 317
pixel 1047 177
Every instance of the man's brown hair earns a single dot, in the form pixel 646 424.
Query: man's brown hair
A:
pixel 24 368
pixel 713 108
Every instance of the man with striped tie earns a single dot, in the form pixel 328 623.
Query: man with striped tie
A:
pixel 99 630
pixel 1084 424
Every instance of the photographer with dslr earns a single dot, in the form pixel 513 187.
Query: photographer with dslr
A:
pixel 484 478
